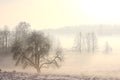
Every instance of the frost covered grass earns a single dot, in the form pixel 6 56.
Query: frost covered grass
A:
pixel 75 67
pixel 27 76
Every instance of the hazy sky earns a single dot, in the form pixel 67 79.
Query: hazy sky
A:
pixel 59 13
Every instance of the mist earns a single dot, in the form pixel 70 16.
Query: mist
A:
pixel 76 63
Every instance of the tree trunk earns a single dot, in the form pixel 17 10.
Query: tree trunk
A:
pixel 38 70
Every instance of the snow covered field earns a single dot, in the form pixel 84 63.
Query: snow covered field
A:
pixel 28 76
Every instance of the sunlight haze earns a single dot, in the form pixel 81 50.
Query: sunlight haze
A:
pixel 43 14
pixel 65 37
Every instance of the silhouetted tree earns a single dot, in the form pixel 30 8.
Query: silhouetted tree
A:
pixel 22 30
pixel 6 34
pixel 88 42
pixel 1 39
pixel 35 51
pixel 79 42
pixel 108 48
pixel 93 42
pixel 4 39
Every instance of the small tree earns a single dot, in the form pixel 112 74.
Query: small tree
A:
pixel 79 43
pixel 108 48
pixel 6 34
pixel 35 52
pixel 88 42
pixel 94 42
pixel 91 42
pixel 4 39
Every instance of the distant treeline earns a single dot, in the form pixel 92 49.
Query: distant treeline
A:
pixel 8 36
pixel 100 30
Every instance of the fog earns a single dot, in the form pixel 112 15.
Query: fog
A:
pixel 94 63
pixel 27 25
pixel 76 63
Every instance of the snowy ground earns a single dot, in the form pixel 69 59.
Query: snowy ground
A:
pixel 28 76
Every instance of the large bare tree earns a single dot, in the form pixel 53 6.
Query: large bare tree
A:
pixel 35 51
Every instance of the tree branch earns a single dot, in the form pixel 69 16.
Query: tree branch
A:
pixel 22 54
pixel 50 62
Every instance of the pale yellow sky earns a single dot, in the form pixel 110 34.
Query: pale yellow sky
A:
pixel 59 13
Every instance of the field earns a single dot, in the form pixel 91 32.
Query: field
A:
pixel 28 76
pixel 94 67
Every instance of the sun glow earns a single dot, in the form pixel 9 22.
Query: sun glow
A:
pixel 103 11
pixel 59 13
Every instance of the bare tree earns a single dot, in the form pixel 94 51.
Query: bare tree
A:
pixel 88 42
pixel 108 48
pixel 22 30
pixel 6 34
pixel 78 42
pixel 91 42
pixel 94 42
pixel 35 52
pixel 4 39
pixel 1 39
